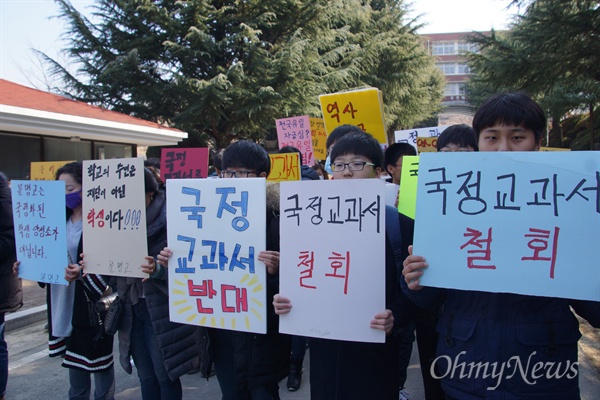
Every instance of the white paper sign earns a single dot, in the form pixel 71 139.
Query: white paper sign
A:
pixel 410 135
pixel 114 217
pixel 216 229
pixel 333 258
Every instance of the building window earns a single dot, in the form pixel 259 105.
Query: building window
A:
pixel 463 69
pixel 447 68
pixel 16 154
pixel 442 48
pixel 464 47
pixel 455 89
pixel 61 149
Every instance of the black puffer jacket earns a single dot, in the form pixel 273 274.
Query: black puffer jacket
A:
pixel 11 294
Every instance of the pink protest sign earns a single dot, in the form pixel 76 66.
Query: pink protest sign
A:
pixel 295 131
pixel 178 163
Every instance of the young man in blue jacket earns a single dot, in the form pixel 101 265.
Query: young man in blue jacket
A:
pixel 501 330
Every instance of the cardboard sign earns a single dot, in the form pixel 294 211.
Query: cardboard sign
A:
pixel 407 199
pixel 295 131
pixel 553 149
pixel 333 258
pixel 363 108
pixel 319 138
pixel 410 135
pixel 39 214
pixel 427 144
pixel 216 230
pixel 516 222
pixel 284 167
pixel 45 170
pixel 114 217
pixel 178 163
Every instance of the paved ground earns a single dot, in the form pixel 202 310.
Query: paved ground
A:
pixel 33 375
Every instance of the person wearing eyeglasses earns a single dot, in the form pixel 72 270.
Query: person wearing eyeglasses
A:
pixel 342 370
pixel 250 365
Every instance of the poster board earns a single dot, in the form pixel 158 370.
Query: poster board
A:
pixel 184 162
pixel 295 131
pixel 319 138
pixel 362 107
pixel 39 214
pixel 216 230
pixel 516 222
pixel 407 198
pixel 410 135
pixel 45 170
pixel 333 254
pixel 284 167
pixel 114 217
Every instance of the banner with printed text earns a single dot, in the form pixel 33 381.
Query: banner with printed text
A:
pixel 181 163
pixel 333 258
pixel 516 222
pixel 363 108
pixel 39 214
pixel 45 170
pixel 114 217
pixel 217 227
pixel 295 131
pixel 284 167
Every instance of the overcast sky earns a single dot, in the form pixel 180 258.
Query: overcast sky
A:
pixel 26 24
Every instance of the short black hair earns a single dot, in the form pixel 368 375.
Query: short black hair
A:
pixel 339 132
pixel 151 184
pixel 360 144
pixel 461 135
pixel 511 109
pixel 75 169
pixel 218 158
pixel 246 154
pixel 152 162
pixel 395 151
pixel 291 149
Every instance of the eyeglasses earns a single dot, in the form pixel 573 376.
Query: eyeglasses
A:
pixel 352 166
pixel 237 174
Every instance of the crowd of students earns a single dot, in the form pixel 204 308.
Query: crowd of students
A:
pixel 489 327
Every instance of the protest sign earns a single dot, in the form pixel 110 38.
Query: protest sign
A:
pixel 427 144
pixel 410 135
pixel 516 222
pixel 333 253
pixel 295 131
pixel 363 108
pixel 319 138
pixel 45 170
pixel 216 230
pixel 114 217
pixel 407 198
pixel 284 167
pixel 178 163
pixel 39 214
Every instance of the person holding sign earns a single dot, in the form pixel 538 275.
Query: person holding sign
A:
pixel 85 350
pixel 250 365
pixel 503 345
pixel 360 370
pixel 161 350
pixel 11 294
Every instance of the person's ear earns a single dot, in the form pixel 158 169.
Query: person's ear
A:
pixel 538 144
pixel 262 175
pixel 390 169
pixel 377 172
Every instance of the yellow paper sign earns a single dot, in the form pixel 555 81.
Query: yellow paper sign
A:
pixel 427 144
pixel 319 138
pixel 407 200
pixel 363 108
pixel 284 167
pixel 553 149
pixel 45 170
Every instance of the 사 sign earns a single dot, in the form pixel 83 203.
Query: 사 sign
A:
pixel 216 230
pixel 333 258
pixel 516 222
pixel 114 217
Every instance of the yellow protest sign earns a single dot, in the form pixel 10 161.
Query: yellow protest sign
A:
pixel 363 108
pixel 45 170
pixel 319 138
pixel 427 144
pixel 284 167
pixel 407 200
pixel 553 149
